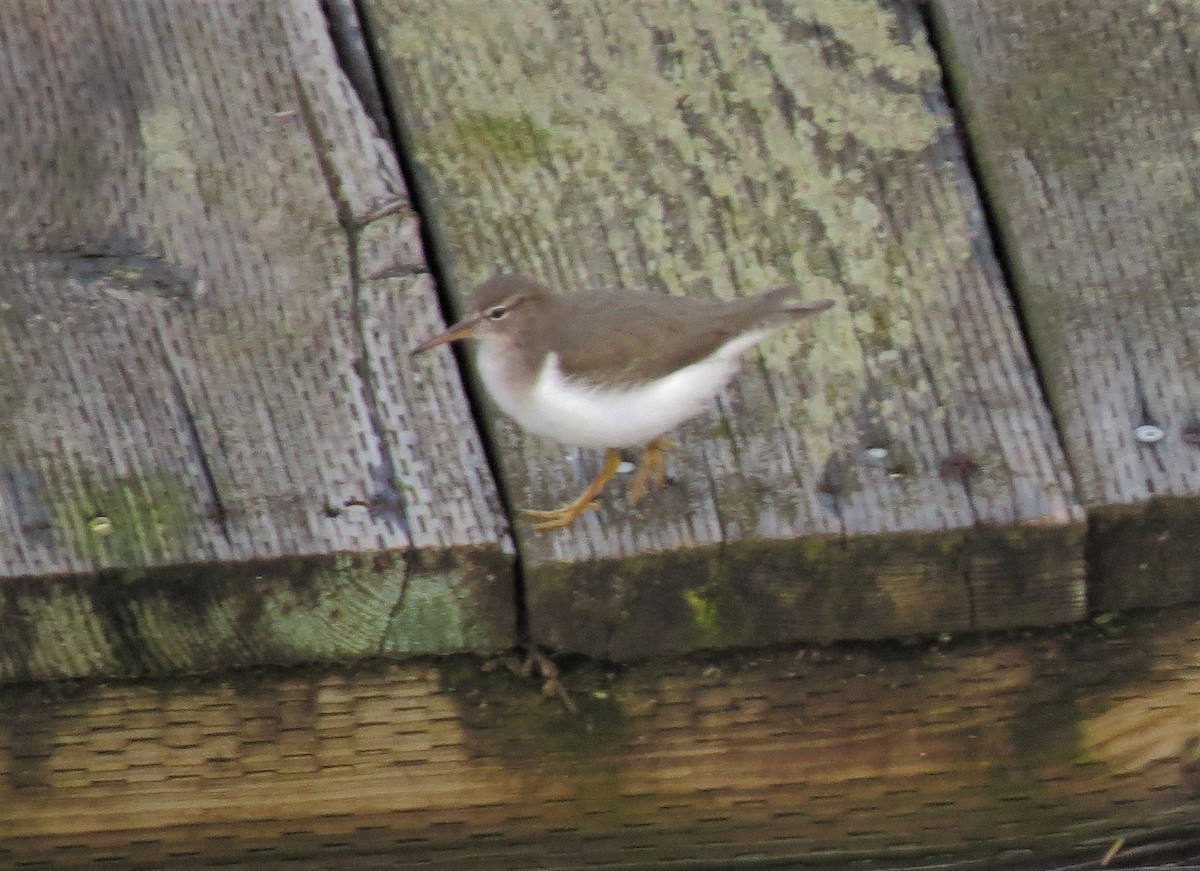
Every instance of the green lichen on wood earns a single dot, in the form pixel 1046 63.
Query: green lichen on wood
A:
pixel 142 614
pixel 757 592
pixel 495 137
pixel 704 613
pixel 463 603
pixel 166 619
pixel 130 521
pixel 53 631
pixel 752 592
pixel 432 618
pixel 324 609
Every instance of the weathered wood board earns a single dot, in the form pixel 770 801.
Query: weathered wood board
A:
pixel 1084 119
pixel 1020 748
pixel 212 452
pixel 890 470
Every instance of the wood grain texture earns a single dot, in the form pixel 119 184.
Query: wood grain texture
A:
pixel 705 149
pixel 1022 748
pixel 196 369
pixel 1083 117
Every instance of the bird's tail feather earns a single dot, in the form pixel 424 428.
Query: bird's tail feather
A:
pixel 779 295
pixel 809 308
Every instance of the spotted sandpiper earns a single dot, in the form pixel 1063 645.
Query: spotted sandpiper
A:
pixel 610 369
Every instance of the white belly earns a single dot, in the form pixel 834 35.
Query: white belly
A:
pixel 576 414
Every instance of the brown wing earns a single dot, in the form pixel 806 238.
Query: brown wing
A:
pixel 618 336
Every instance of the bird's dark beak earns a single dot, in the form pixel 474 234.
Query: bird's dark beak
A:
pixel 464 329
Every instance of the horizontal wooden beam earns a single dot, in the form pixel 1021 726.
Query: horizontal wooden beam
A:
pixel 1029 746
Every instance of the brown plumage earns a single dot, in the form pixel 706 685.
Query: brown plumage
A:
pixel 608 336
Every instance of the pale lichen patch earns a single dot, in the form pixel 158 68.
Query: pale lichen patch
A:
pixel 694 167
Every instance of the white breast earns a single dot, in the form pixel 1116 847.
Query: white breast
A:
pixel 576 413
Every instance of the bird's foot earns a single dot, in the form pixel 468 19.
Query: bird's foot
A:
pixel 651 471
pixel 557 518
pixel 536 664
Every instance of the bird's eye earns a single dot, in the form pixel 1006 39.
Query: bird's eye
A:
pixel 497 312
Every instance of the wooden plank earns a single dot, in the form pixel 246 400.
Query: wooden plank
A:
pixel 209 455
pixel 1024 747
pixel 890 471
pixel 1083 118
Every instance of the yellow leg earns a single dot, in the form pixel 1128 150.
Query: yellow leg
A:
pixel 556 518
pixel 653 469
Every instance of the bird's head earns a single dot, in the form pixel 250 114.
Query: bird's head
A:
pixel 501 306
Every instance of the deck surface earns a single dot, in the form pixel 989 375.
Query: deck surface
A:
pixel 239 522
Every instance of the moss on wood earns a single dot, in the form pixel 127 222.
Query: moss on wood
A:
pixel 759 592
pixel 123 623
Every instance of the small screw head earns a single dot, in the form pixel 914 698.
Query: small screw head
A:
pixel 876 452
pixel 100 525
pixel 1148 433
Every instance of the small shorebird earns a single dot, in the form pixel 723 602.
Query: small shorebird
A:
pixel 606 369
